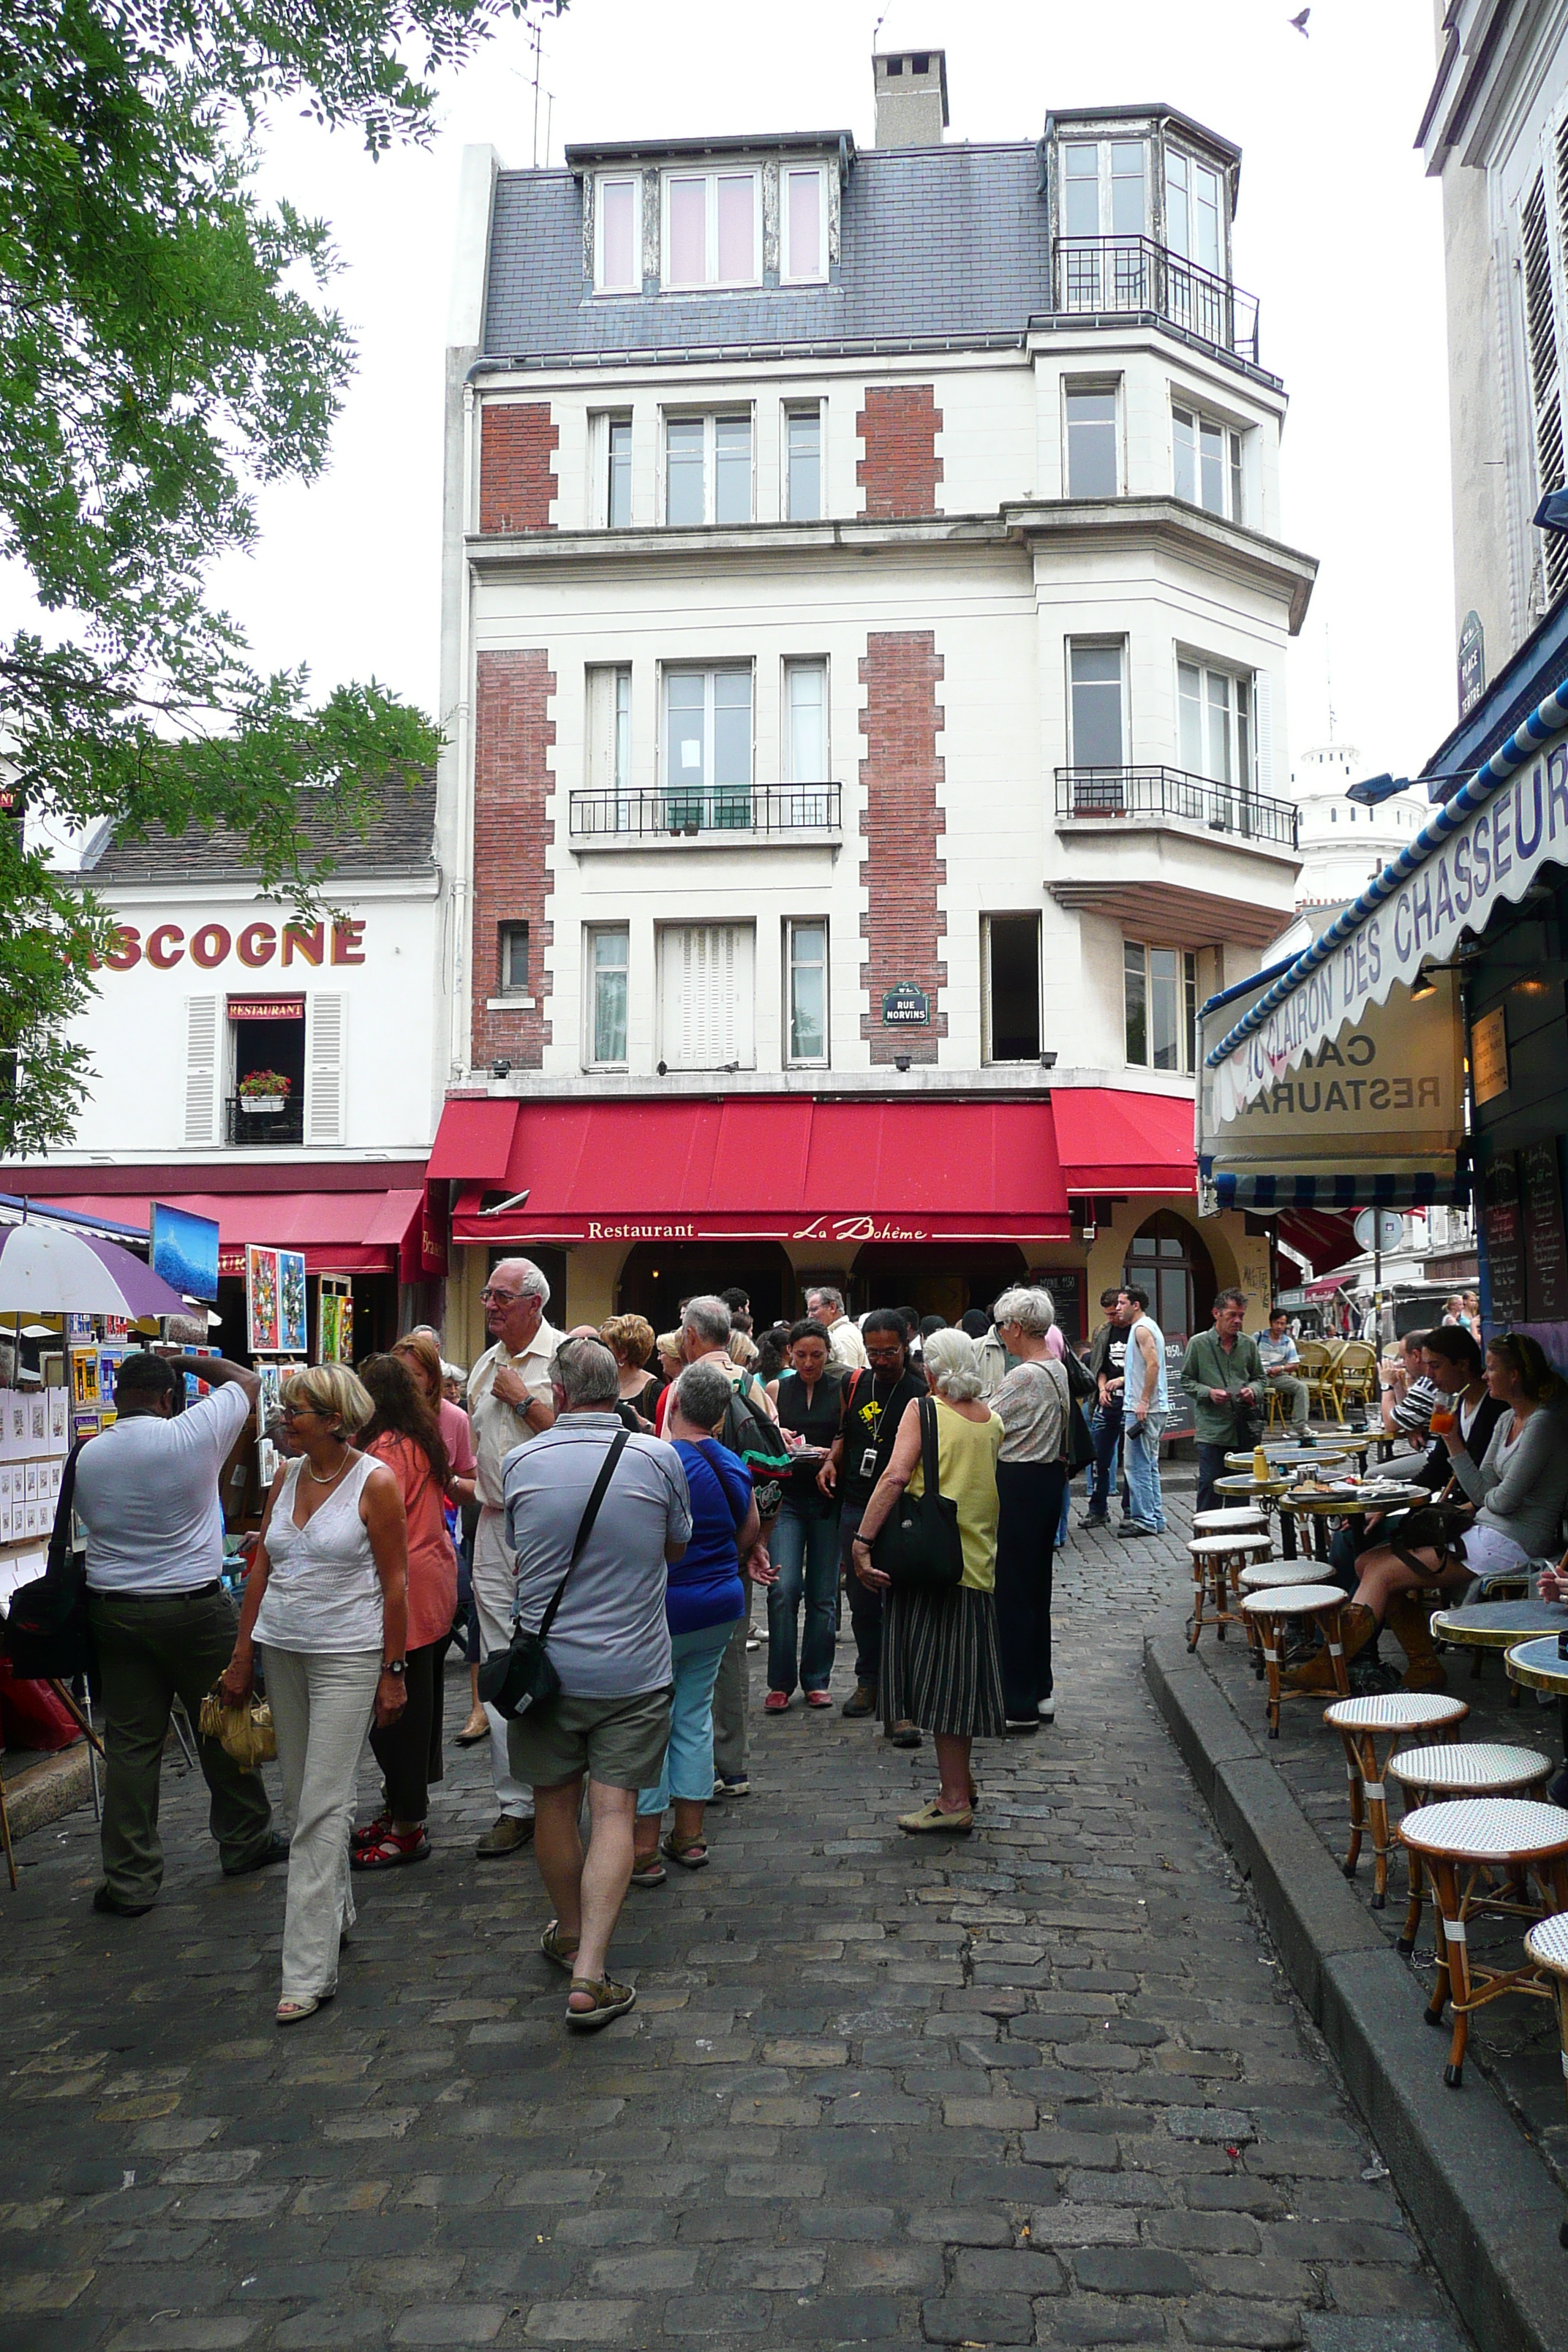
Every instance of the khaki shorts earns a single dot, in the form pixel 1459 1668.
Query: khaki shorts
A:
pixel 620 1742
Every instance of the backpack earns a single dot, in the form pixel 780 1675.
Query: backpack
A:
pixel 749 1432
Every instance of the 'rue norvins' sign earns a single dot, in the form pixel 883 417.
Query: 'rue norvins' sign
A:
pixel 906 1007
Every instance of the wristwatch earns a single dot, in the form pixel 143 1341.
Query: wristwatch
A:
pixel 398 1666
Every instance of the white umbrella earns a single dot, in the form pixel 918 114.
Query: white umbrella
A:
pixel 46 1270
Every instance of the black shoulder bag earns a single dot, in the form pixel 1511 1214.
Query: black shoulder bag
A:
pixel 918 1546
pixel 520 1677
pixel 46 1634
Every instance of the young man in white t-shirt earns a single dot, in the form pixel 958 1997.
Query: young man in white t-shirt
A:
pixel 162 1626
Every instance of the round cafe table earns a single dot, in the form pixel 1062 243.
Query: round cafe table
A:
pixel 1535 1666
pixel 1265 1493
pixel 1503 1625
pixel 1292 1458
pixel 1319 1509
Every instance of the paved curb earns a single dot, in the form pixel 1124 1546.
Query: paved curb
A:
pixel 1488 2214
pixel 48 1791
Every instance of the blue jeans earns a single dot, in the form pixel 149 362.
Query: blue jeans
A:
pixel 687 1772
pixel 1106 1427
pixel 804 1550
pixel 1140 1459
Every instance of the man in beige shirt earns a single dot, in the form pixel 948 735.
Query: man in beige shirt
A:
pixel 509 1403
pixel 844 1340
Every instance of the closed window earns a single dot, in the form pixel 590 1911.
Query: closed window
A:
pixel 1011 957
pixel 1194 210
pixel 805 722
pixel 1215 712
pixel 708 748
pixel 618 472
pixel 803 225
pixel 1095 676
pixel 712 228
pixel 803 463
pixel 618 258
pixel 1160 991
pixel 1208 469
pixel 608 950
pixel 707 470
pixel 512 959
pixel 609 747
pixel 706 996
pixel 1102 188
pixel 1093 467
pixel 806 980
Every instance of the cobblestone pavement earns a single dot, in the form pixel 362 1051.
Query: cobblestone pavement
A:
pixel 1515 2043
pixel 1041 2085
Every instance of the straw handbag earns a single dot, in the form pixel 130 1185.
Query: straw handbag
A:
pixel 244 1732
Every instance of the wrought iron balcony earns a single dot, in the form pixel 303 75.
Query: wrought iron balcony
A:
pixel 677 811
pixel 244 1124
pixel 1163 795
pixel 1110 276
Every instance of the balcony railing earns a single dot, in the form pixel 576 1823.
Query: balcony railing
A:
pixel 243 1123
pixel 1107 275
pixel 1095 794
pixel 750 809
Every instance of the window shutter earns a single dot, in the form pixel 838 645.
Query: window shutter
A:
pixel 709 985
pixel 1545 373
pixel 324 1108
pixel 1263 718
pixel 200 1067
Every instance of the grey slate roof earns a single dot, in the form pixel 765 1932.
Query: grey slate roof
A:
pixel 401 841
pixel 936 241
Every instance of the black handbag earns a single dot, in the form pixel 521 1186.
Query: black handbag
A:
pixel 1078 1446
pixel 918 1547
pixel 46 1636
pixel 520 1677
pixel 1083 1386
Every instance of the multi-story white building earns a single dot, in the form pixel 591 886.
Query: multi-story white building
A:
pixel 864 668
pixel 1342 843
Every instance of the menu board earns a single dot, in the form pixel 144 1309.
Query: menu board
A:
pixel 1504 1228
pixel 1545 1242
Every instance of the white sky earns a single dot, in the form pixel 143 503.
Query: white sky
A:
pixel 1339 233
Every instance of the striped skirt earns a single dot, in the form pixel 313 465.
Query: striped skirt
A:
pixel 942 1666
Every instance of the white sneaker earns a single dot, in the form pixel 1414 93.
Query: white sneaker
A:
pixel 1047 1710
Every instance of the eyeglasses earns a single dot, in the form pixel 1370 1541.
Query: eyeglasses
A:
pixel 491 1296
pixel 293 1412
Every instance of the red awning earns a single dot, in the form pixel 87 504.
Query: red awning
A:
pixel 473 1143
pixel 762 1168
pixel 1113 1141
pixel 1323 1235
pixel 340 1233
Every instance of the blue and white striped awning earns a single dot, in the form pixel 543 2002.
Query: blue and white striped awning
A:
pixel 1246 1188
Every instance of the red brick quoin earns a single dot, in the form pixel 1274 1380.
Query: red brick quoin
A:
pixel 517 479
pixel 512 739
pixel 901 823
pixel 901 470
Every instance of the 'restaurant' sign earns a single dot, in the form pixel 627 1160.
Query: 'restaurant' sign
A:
pixel 266 1008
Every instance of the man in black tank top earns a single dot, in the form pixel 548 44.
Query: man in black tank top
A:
pixel 874 1402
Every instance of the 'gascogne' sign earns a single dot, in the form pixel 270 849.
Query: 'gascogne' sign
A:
pixel 1492 857
pixel 254 945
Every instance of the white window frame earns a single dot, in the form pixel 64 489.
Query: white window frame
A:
pixel 1100 645
pixel 1186 985
pixel 711 178
pixel 1232 464
pixel 743 1000
pixel 988 1054
pixel 793 665
pixel 1099 386
pixel 1195 164
pixel 617 420
pixel 790 409
pixel 792 963
pixel 709 419
pixel 1241 753
pixel 1105 178
pixel 505 984
pixel 681 785
pixel 592 934
pixel 788 274
pixel 604 180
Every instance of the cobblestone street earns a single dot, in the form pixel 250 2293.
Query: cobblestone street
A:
pixel 1045 2084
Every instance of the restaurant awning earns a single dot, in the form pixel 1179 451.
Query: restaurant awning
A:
pixel 765 1168
pixel 1480 849
pixel 473 1142
pixel 340 1233
pixel 1112 1140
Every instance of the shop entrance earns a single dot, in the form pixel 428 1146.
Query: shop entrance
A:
pixel 1168 1259
pixel 937 1281
pixel 658 1276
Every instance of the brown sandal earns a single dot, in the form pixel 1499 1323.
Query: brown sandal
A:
pixel 692 1855
pixel 550 1945
pixel 610 2001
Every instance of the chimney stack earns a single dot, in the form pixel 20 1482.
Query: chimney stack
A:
pixel 912 97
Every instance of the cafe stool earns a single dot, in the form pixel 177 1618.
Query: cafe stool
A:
pixel 1483 1837
pixel 1258 1577
pixel 1547 1945
pixel 1217 1561
pixel 1237 1520
pixel 1360 1724
pixel 1483 1768
pixel 1295 1605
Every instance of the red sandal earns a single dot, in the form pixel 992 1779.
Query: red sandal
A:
pixel 391 1850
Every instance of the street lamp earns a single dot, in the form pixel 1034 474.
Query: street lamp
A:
pixel 1372 791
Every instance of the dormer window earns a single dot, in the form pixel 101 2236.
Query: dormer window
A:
pixel 617 264
pixel 1195 211
pixel 712 229
pixel 803 225
pixel 1103 188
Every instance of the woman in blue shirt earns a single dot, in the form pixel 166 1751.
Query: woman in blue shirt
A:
pixel 705 1598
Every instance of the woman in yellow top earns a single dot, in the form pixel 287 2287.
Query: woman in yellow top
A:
pixel 942 1666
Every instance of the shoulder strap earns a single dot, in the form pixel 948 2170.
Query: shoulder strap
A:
pixel 704 1447
pixel 60 1534
pixel 929 1445
pixel 618 1445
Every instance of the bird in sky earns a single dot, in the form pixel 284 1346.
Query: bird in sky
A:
pixel 1300 22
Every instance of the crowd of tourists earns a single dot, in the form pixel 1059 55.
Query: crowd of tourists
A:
pixel 591 1522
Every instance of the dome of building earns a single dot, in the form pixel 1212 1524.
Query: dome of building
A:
pixel 1342 845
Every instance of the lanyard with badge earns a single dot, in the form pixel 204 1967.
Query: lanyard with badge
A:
pixel 869 1453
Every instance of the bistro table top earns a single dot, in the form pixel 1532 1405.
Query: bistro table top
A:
pixel 1537 1664
pixel 1351 1502
pixel 1500 1624
pixel 1291 1456
pixel 1269 1487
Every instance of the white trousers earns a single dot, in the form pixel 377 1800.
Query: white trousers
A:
pixel 322 1701
pixel 495 1586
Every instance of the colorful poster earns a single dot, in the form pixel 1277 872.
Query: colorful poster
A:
pixel 261 1301
pixel 84 1377
pixel 79 1326
pixel 334 1319
pixel 109 1362
pixel 293 1335
pixel 184 1251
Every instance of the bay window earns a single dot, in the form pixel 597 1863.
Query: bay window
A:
pixel 1207 469
pixel 1159 1005
pixel 1215 713
pixel 1095 674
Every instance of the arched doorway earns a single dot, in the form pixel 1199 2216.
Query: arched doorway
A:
pixel 1168 1259
pixel 658 1276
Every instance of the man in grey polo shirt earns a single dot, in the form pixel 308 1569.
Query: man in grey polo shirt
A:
pixel 610 1646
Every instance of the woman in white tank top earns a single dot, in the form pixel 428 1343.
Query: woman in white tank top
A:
pixel 326 1599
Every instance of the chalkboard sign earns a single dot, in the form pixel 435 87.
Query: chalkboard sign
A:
pixel 1184 1411
pixel 1545 1242
pixel 1504 1231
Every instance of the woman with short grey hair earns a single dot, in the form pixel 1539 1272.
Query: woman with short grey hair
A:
pixel 1033 1404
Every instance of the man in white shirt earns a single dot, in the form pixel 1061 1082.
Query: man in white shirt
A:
pixel 1277 1352
pixel 147 1494
pixel 827 1307
pixel 509 1403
